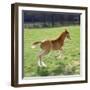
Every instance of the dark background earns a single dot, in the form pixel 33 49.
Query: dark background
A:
pixel 39 19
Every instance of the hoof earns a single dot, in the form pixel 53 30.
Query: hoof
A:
pixel 39 64
pixel 43 64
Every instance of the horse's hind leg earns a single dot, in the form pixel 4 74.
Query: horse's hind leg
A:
pixel 40 56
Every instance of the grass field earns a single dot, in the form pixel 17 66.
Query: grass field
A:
pixel 69 65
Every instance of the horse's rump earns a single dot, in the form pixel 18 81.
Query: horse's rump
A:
pixel 46 45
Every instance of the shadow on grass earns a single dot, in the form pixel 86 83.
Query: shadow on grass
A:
pixel 59 69
pixel 42 71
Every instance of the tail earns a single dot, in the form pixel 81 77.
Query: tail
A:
pixel 34 44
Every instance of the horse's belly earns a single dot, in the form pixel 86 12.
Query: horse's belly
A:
pixel 55 48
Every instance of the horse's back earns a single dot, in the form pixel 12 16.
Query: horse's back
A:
pixel 46 45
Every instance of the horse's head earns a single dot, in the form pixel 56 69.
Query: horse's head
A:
pixel 67 34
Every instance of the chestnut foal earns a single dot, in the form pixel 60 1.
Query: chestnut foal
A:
pixel 49 45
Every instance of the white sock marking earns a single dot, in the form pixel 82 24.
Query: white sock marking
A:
pixel 43 64
pixel 39 63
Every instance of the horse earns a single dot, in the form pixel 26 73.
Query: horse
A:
pixel 48 45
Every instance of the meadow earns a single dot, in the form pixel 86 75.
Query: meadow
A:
pixel 68 65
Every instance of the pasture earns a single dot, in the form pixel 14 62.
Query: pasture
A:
pixel 68 65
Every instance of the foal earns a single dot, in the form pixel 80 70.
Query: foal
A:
pixel 49 45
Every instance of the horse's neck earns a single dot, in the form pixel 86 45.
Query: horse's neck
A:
pixel 62 38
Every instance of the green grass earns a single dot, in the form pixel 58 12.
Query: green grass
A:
pixel 69 65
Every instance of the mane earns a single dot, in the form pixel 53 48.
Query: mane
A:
pixel 61 36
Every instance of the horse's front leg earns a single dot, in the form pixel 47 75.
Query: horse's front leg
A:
pixel 61 53
pixel 57 54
